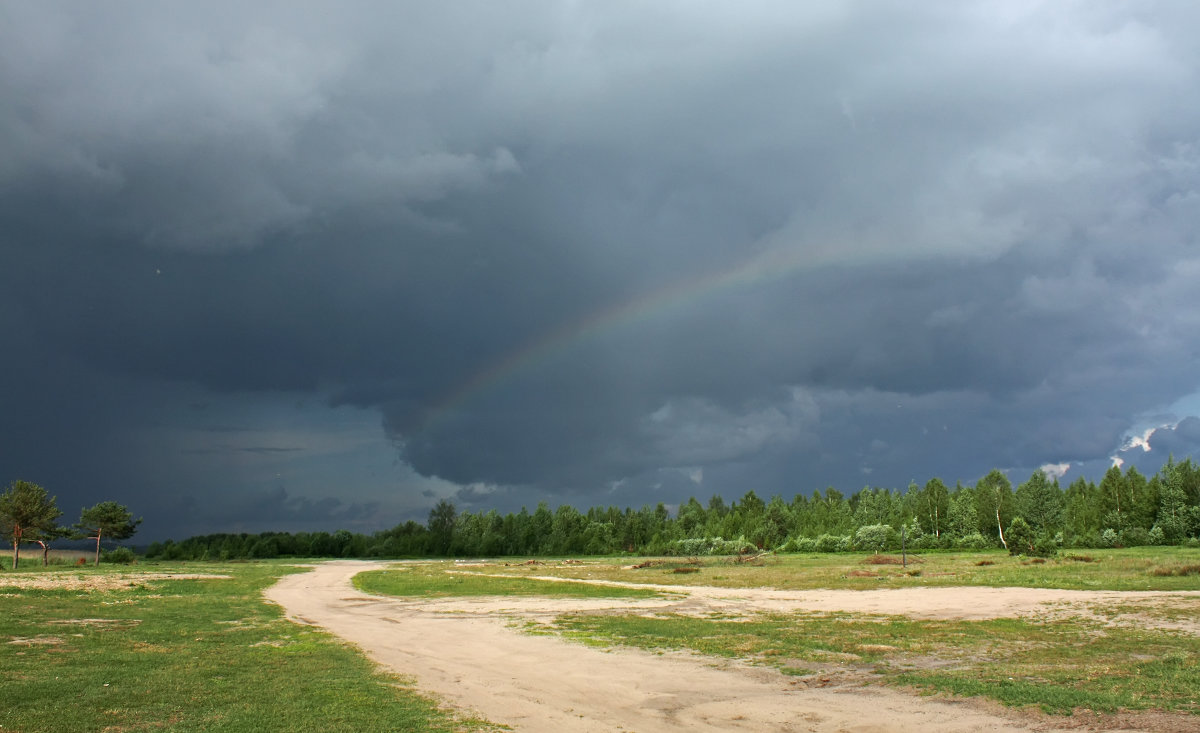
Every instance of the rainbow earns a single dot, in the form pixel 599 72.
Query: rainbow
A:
pixel 764 267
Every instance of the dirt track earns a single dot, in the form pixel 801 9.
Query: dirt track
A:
pixel 466 651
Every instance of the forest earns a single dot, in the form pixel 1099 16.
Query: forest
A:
pixel 1037 517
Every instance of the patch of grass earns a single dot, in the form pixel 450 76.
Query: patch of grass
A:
pixel 1058 666
pixel 1176 570
pixel 878 559
pixel 1123 569
pixel 189 655
pixel 431 580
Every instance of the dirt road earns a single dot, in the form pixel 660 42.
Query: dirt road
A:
pixel 467 651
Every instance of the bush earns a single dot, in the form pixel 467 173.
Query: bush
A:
pixel 1135 537
pixel 800 544
pixel 827 543
pixel 1019 537
pixel 876 537
pixel 1045 545
pixel 974 541
pixel 1156 536
pixel 1110 538
pixel 119 556
pixel 709 546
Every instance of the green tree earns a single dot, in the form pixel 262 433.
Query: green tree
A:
pixel 962 518
pixel 441 526
pixel 934 507
pixel 993 502
pixel 28 514
pixel 1040 502
pixel 107 520
pixel 1020 537
pixel 1173 514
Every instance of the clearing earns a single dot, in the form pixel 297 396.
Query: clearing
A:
pixel 472 652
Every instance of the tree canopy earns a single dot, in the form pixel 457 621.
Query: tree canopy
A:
pixel 27 514
pixel 106 520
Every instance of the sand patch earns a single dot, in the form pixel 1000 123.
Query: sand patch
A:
pixel 91 582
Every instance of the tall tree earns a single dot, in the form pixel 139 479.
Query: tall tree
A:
pixel 934 506
pixel 27 513
pixel 962 516
pixel 993 497
pixel 107 520
pixel 441 526
pixel 1040 502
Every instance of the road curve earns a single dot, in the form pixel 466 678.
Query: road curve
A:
pixel 477 661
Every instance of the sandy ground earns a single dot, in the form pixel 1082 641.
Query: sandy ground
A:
pixel 467 651
pixel 92 581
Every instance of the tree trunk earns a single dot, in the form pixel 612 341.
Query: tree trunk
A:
pixel 100 532
pixel 45 553
pixel 1000 527
pixel 17 533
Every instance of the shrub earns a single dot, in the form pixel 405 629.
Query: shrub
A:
pixel 1110 538
pixel 1135 537
pixel 119 556
pixel 1019 537
pixel 709 546
pixel 876 537
pixel 1045 546
pixel 845 544
pixel 1156 536
pixel 974 541
pixel 827 543
pixel 799 544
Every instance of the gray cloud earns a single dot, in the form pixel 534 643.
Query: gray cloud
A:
pixel 591 253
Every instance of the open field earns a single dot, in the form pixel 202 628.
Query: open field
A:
pixel 1141 568
pixel 726 653
pixel 1106 641
pixel 183 647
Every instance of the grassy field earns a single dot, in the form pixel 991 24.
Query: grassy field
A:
pixel 110 651
pixel 1057 664
pixel 1143 568
pixel 433 581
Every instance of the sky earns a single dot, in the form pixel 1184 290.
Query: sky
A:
pixel 300 265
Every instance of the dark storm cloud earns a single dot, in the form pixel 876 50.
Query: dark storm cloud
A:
pixel 617 253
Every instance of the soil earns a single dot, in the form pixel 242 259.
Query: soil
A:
pixel 92 581
pixel 473 653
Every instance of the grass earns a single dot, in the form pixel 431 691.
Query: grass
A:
pixel 432 581
pixel 187 655
pixel 1058 666
pixel 1145 568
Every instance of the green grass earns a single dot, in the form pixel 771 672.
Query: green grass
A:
pixel 1058 666
pixel 430 580
pixel 188 655
pixel 1143 568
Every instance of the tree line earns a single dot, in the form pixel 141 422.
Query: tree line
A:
pixel 28 514
pixel 1037 516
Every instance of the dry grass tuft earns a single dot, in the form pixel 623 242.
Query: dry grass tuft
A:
pixel 862 574
pixel 890 560
pixel 1081 558
pixel 982 563
pixel 1176 570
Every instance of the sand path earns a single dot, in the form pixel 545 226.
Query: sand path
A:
pixel 466 651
